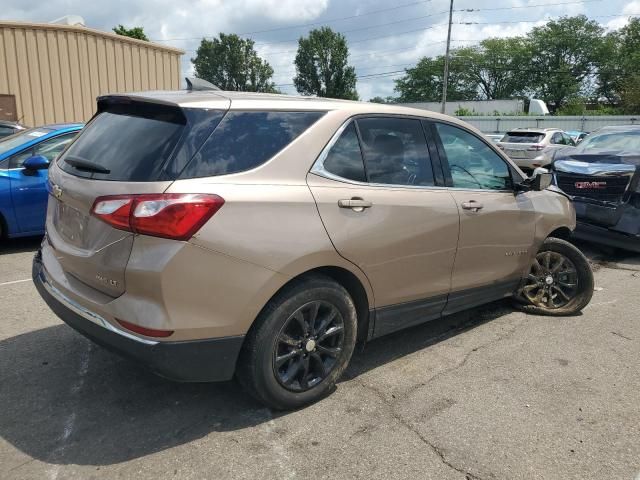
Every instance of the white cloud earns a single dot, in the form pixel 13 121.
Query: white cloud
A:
pixel 183 24
pixel 285 10
pixel 631 8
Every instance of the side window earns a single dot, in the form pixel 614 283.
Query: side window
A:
pixel 345 157
pixel 247 139
pixel 49 149
pixel 53 147
pixel 556 139
pixel 18 159
pixel 473 164
pixel 395 151
pixel 567 139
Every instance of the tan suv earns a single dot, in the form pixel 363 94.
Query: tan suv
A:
pixel 213 234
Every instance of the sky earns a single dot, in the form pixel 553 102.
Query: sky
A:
pixel 384 37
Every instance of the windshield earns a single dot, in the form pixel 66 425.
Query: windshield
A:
pixel 629 141
pixel 17 139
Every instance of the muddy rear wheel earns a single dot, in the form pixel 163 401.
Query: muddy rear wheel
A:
pixel 560 281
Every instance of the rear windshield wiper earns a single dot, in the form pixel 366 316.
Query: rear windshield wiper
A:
pixel 86 165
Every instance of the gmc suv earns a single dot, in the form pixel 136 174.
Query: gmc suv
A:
pixel 213 234
pixel 602 175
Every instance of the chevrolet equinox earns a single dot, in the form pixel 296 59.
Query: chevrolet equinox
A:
pixel 209 235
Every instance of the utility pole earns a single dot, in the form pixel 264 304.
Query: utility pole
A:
pixel 446 62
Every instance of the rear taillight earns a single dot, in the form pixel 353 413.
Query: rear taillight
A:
pixel 170 215
pixel 149 332
pixel 536 148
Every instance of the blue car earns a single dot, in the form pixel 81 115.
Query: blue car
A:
pixel 24 159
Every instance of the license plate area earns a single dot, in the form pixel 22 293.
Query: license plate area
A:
pixel 71 224
pixel 516 153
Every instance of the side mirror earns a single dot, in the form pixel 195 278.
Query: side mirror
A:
pixel 540 180
pixel 37 162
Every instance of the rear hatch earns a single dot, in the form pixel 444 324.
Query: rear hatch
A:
pixel 522 145
pixel 131 146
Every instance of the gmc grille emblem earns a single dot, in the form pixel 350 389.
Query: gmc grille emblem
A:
pixel 591 185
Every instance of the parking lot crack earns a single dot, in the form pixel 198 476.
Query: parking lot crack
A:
pixel 468 355
pixel 409 426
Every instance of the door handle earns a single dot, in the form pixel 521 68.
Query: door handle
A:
pixel 356 204
pixel 472 205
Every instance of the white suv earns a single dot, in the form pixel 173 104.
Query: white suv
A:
pixel 531 148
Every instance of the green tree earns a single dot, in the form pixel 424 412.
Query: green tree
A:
pixel 624 69
pixel 135 32
pixel 322 67
pixel 496 67
pixel 608 84
pixel 383 100
pixel 423 83
pixel 564 55
pixel 231 63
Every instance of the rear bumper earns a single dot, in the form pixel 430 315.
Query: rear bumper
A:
pixel 602 235
pixel 206 360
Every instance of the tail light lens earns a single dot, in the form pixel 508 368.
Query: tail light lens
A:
pixel 149 332
pixel 168 215
pixel 536 147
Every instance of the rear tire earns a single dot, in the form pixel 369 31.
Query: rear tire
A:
pixel 300 344
pixel 559 283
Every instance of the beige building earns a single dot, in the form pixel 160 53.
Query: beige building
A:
pixel 53 73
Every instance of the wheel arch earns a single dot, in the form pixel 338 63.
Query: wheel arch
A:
pixel 563 233
pixel 345 278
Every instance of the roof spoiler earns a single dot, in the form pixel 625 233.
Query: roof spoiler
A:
pixel 195 84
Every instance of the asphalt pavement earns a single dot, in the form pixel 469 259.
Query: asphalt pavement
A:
pixel 486 394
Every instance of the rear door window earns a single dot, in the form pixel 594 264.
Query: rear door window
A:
pixel 345 157
pixel 247 139
pixel 523 137
pixel 395 151
pixel 557 139
pixel 567 139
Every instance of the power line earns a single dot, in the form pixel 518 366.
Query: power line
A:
pixel 543 20
pixel 525 6
pixel 323 22
pixel 434 26
pixel 362 28
pixel 362 39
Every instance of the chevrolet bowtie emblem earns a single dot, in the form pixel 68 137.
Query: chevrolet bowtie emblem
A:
pixel 57 191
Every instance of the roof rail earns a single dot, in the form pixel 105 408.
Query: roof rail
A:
pixel 196 84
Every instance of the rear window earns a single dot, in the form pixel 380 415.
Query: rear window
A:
pixel 246 139
pixel 126 147
pixel 522 137
pixel 613 141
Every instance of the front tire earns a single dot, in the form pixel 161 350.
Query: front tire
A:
pixel 300 344
pixel 559 283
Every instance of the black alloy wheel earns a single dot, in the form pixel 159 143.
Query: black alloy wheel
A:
pixel 552 282
pixel 559 282
pixel 308 345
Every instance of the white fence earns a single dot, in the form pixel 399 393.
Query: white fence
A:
pixel 488 124
pixel 477 107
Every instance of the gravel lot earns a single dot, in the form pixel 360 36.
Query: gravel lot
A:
pixel 488 394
